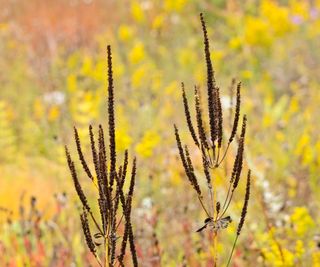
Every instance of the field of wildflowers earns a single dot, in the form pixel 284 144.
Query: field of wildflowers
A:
pixel 54 77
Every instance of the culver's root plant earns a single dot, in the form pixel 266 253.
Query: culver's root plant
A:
pixel 208 137
pixel 101 231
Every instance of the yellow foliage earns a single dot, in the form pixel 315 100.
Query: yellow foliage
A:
pixel 53 113
pixel 137 11
pixel 174 5
pixel 301 221
pixel 257 32
pixel 38 109
pixel 137 54
pixel 302 143
pixel 148 143
pixel 123 140
pixel 138 76
pixel 235 43
pixel 125 33
pixel 277 17
pixel 158 22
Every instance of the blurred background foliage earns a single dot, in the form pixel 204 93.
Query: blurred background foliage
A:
pixel 53 77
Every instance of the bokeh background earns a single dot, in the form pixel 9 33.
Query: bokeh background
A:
pixel 53 77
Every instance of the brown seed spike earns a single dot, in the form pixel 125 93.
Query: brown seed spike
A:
pixel 236 114
pixel 181 152
pixel 87 232
pixel 111 120
pixel 237 168
pixel 80 154
pixel 245 204
pixel 76 182
pixel 201 131
pixel 94 152
pixel 186 161
pixel 219 117
pixel 210 83
pixel 188 116
pixel 192 178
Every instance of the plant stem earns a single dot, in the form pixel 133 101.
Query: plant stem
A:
pixel 234 245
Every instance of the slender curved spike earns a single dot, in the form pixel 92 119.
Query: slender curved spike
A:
pixel 94 151
pixel 236 114
pixel 87 232
pixel 210 83
pixel 188 116
pixel 219 118
pixel 201 131
pixel 80 154
pixel 76 182
pixel 193 178
pixel 185 162
pixel 239 158
pixel 111 120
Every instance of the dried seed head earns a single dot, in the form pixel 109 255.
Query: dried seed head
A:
pixel 111 120
pixel 245 204
pixel 94 152
pixel 201 130
pixel 210 83
pixel 237 167
pixel 76 182
pixel 236 114
pixel 80 154
pixel 188 116
pixel 87 233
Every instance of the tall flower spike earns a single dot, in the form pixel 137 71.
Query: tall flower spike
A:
pixel 94 151
pixel 128 211
pixel 76 182
pixel 236 114
pixel 245 204
pixel 188 116
pixel 185 159
pixel 193 178
pixel 87 233
pixel 80 154
pixel 201 130
pixel 210 83
pixel 219 117
pixel 239 158
pixel 111 120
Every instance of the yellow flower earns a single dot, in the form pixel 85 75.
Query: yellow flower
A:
pixel 172 89
pixel 302 143
pixel 148 143
pixel 277 17
pixel 246 74
pixel 38 109
pixel 301 221
pixel 158 21
pixel 299 248
pixel 125 33
pixel 123 140
pixel 54 113
pixel 72 83
pixel 137 54
pixel 138 76
pixel 174 5
pixel 257 32
pixel 137 12
pixel 299 8
pixel 235 43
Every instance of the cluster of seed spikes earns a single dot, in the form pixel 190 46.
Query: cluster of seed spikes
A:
pixel 211 144
pixel 109 183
